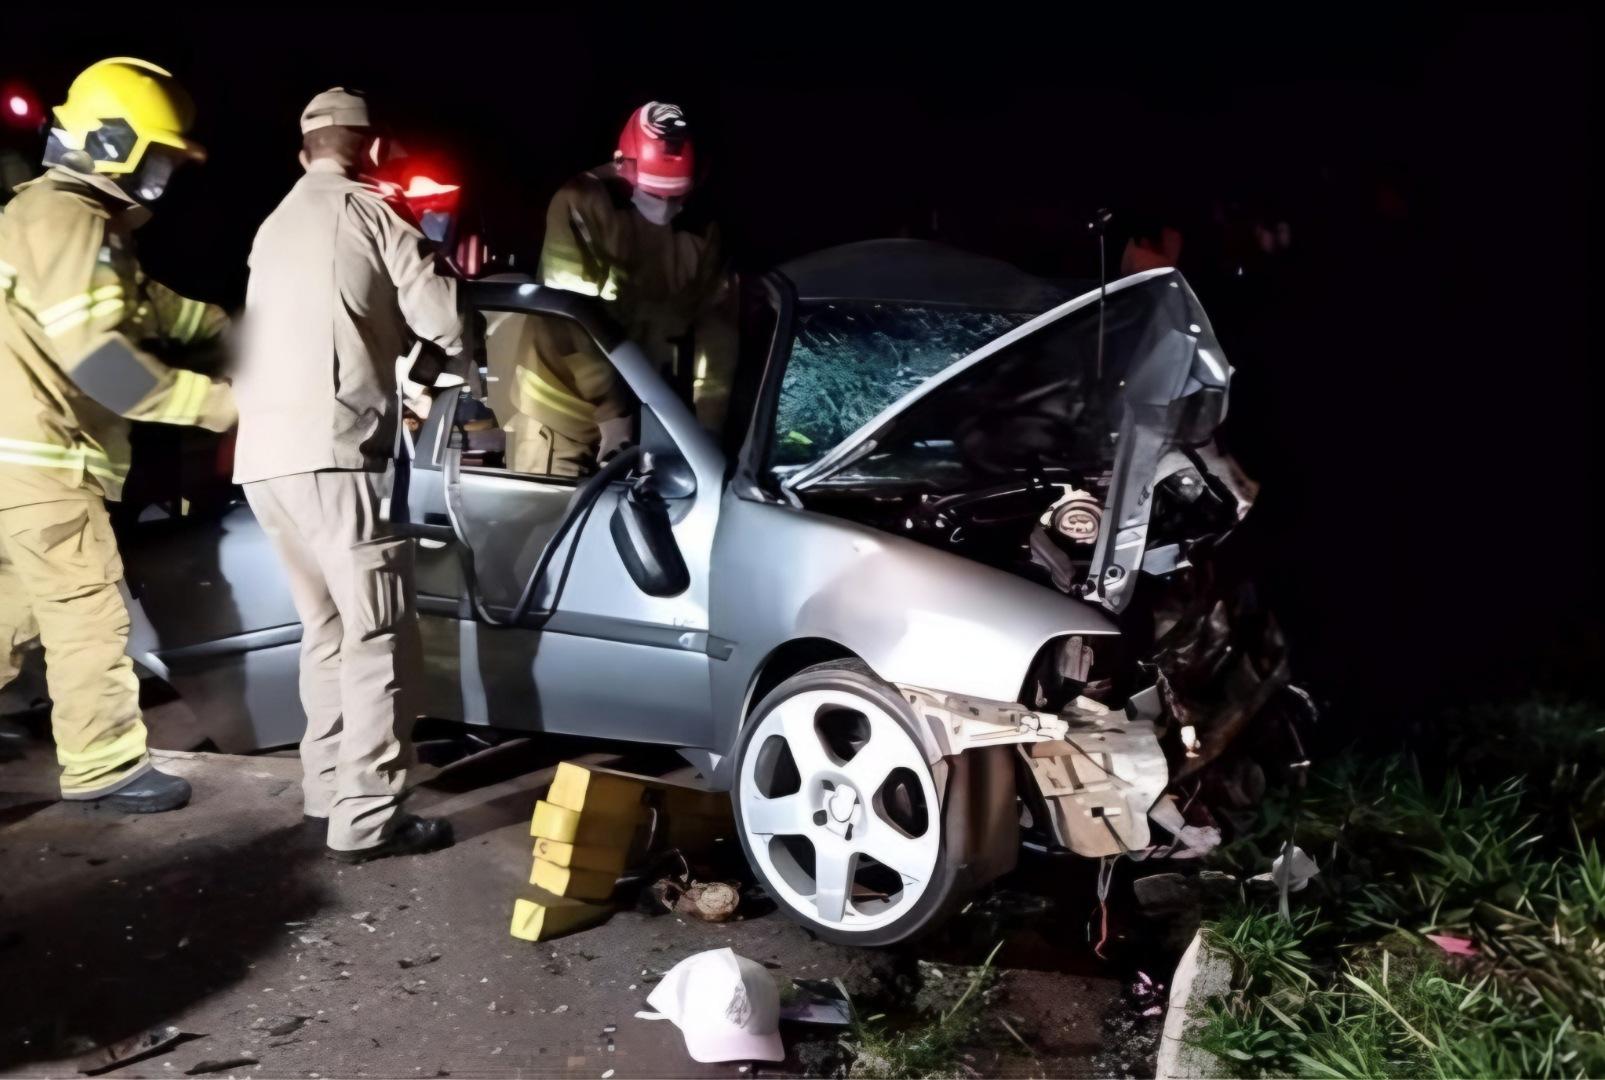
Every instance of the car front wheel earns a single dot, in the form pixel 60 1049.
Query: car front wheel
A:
pixel 839 811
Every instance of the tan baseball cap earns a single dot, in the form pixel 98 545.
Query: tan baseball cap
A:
pixel 339 106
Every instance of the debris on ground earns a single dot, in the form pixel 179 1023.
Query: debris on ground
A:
pixel 710 901
pixel 201 1068
pixel 816 1001
pixel 1132 1029
pixel 417 961
pixel 1453 945
pixel 280 1026
pixel 127 1051
pixel 1300 869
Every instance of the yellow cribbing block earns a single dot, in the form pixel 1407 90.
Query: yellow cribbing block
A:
pixel 570 827
pixel 568 882
pixel 609 860
pixel 547 916
pixel 578 788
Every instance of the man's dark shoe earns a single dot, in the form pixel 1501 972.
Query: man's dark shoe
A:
pixel 152 793
pixel 412 835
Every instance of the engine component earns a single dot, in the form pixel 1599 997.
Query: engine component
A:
pixel 1077 516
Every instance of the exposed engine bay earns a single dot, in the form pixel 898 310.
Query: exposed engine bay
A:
pixel 1080 454
pixel 1138 716
pixel 1047 527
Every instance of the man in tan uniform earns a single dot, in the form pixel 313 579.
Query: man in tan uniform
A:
pixel 618 232
pixel 77 319
pixel 339 287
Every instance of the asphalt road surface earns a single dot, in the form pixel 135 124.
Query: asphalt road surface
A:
pixel 224 921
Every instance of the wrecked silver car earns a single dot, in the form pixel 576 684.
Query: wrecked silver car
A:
pixel 949 576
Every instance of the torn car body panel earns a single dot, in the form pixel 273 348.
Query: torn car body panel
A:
pixel 1099 772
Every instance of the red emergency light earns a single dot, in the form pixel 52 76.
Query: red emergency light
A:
pixel 19 107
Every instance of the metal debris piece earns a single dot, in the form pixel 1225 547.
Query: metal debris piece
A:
pixel 221 1065
pixel 135 1048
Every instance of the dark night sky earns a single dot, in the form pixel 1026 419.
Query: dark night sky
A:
pixel 1414 386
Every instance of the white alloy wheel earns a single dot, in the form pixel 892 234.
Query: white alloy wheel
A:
pixel 839 809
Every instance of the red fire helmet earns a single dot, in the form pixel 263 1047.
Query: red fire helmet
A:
pixel 654 150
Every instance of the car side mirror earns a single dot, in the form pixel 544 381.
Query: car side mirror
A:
pixel 644 536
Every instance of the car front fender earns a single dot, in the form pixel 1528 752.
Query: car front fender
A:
pixel 914 614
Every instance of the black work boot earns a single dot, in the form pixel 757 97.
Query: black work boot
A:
pixel 412 835
pixel 150 794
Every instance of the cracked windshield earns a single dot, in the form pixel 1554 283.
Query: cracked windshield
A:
pixel 850 361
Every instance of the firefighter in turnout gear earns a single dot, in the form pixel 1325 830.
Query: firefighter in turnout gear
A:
pixel 619 232
pixel 78 327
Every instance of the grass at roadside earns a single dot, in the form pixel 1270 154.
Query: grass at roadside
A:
pixel 1501 849
pixel 930 1047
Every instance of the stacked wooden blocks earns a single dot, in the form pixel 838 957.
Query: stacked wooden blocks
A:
pixel 584 830
pixel 592 821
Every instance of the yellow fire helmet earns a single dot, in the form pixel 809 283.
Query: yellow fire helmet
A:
pixel 116 111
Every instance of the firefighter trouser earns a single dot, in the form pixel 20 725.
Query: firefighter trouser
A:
pixel 351 582
pixel 539 449
pixel 18 627
pixel 59 571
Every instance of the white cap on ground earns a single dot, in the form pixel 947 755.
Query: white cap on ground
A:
pixel 338 106
pixel 725 1005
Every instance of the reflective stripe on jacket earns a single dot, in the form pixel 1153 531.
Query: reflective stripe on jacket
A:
pixel 663 283
pixel 77 321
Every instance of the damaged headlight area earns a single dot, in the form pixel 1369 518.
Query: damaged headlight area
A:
pixel 1079 451
pixel 1114 733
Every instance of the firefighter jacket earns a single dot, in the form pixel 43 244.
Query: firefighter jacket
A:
pixel 78 325
pixel 665 285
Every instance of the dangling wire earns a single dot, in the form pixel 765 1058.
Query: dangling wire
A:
pixel 1106 876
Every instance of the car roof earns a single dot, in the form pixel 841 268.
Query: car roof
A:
pixel 918 272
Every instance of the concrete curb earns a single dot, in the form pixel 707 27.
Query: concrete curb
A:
pixel 1201 974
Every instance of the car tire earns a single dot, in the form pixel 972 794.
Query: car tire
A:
pixel 837 805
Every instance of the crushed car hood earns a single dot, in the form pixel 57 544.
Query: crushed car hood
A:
pixel 1107 385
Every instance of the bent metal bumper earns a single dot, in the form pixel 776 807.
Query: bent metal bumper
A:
pixel 1100 772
